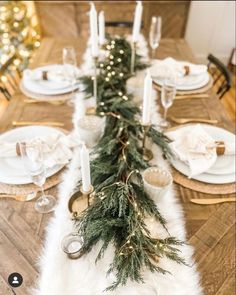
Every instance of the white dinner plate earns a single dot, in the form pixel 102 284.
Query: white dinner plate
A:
pixel 12 170
pixel 223 170
pixel 188 82
pixel 49 87
pixel 204 177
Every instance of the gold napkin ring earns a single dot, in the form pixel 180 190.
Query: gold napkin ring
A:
pixel 220 148
pixel 45 75
pixel 187 70
pixel 18 148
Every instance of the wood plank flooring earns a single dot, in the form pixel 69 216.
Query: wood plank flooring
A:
pixel 229 100
pixel 3 105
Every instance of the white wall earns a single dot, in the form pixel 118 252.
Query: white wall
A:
pixel 211 29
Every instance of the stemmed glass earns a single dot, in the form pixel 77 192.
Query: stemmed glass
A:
pixel 155 33
pixel 168 93
pixel 32 157
pixel 70 64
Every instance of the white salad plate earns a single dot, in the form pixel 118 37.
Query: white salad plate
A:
pixel 188 82
pixel 12 169
pixel 48 87
pixel 223 170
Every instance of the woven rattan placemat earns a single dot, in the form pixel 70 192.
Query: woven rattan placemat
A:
pixel 203 187
pixel 24 189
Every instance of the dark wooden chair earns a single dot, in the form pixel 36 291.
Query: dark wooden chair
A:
pixel 119 27
pixel 5 92
pixel 119 24
pixel 9 78
pixel 221 75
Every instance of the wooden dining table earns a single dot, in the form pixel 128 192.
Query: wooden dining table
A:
pixel 210 229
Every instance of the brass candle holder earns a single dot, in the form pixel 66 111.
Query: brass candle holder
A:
pixel 90 111
pixel 95 83
pixel 133 51
pixel 72 244
pixel 147 153
pixel 80 195
pixel 87 195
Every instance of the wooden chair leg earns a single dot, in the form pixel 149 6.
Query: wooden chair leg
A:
pixel 5 92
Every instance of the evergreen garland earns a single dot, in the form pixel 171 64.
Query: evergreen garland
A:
pixel 120 203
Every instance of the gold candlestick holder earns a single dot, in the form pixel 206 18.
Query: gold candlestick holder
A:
pixel 147 153
pixel 80 195
pixel 95 82
pixel 87 194
pixel 133 51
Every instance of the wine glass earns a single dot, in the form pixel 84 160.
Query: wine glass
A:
pixel 155 33
pixel 32 157
pixel 70 64
pixel 168 93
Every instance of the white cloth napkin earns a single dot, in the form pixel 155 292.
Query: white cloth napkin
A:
pixel 56 74
pixel 169 66
pixel 56 149
pixel 197 148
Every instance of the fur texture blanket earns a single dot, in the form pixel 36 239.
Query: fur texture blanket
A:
pixel 62 276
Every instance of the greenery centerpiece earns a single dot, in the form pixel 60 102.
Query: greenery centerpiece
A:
pixel 120 204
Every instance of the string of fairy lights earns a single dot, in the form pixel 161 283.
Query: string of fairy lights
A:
pixel 112 63
pixel 19 37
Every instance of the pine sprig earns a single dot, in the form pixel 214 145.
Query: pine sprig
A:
pixel 120 203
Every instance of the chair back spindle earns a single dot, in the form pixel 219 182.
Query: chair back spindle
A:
pixel 221 75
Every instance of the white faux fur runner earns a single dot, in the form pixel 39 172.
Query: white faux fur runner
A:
pixel 62 276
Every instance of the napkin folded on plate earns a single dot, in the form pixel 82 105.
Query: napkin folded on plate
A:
pixel 55 75
pixel 197 148
pixel 56 149
pixel 169 66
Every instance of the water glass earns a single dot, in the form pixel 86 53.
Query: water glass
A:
pixel 168 93
pixel 70 64
pixel 155 33
pixel 32 157
pixel 90 129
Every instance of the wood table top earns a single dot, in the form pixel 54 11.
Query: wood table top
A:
pixel 210 229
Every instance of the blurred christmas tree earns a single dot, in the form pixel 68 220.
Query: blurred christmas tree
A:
pixel 19 36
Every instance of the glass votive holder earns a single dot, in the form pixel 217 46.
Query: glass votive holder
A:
pixel 72 245
pixel 156 180
pixel 90 129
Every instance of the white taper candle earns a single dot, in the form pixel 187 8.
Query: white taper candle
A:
pixel 93 30
pixel 147 94
pixel 101 22
pixel 85 169
pixel 137 21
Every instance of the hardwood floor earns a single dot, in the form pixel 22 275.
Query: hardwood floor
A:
pixel 229 100
pixel 3 105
